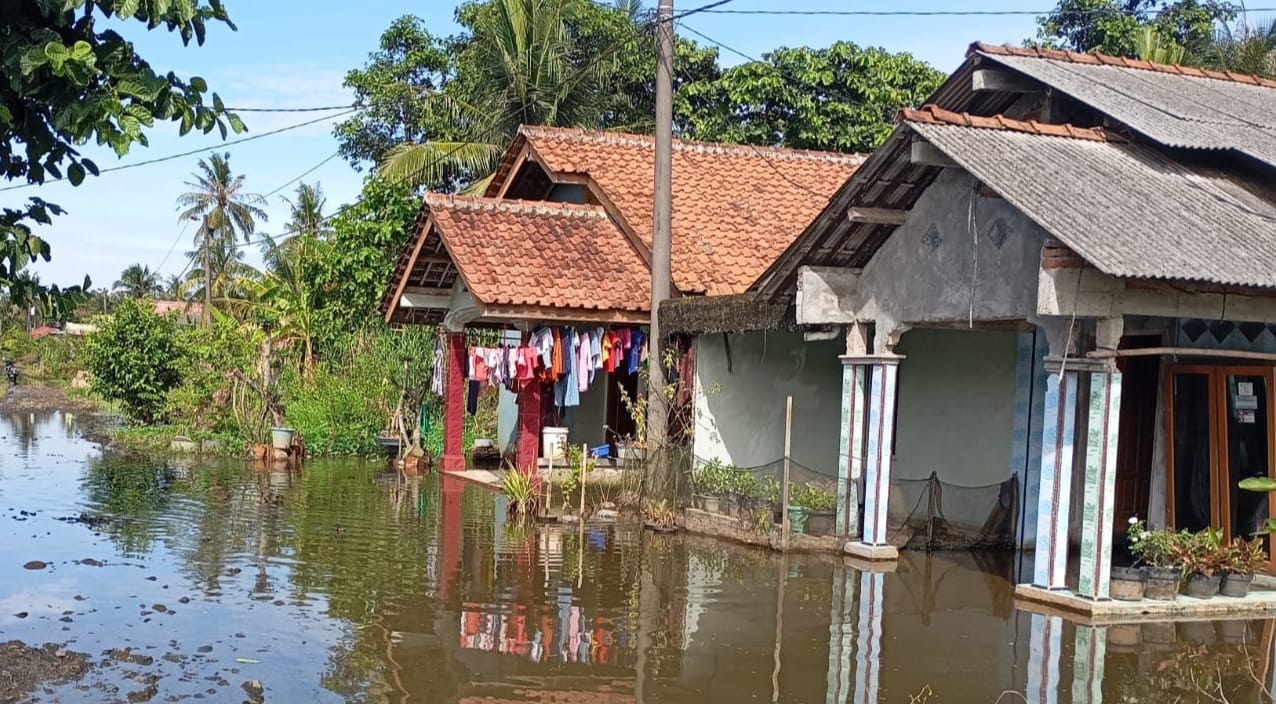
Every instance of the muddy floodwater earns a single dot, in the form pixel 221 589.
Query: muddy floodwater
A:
pixel 152 580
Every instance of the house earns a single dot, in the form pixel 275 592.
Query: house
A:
pixel 561 240
pixel 187 312
pixel 1061 269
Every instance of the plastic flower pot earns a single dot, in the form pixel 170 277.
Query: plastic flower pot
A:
pixel 1162 583
pixel 1235 585
pixel 281 438
pixel 1232 630
pixel 797 519
pixel 709 503
pixel 1127 584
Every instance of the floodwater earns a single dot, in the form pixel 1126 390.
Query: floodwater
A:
pixel 344 582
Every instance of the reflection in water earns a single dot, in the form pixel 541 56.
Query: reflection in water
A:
pixel 348 583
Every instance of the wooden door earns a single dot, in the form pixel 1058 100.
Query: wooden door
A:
pixel 1220 430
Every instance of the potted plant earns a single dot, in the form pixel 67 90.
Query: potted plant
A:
pixel 1240 560
pixel 1155 550
pixel 1202 557
pixel 660 517
pixel 819 505
pixel 707 485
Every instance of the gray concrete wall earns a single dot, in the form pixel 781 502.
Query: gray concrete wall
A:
pixel 911 281
pixel 739 415
pixel 586 422
pixel 956 406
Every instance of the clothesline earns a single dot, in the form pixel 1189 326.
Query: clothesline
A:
pixel 568 357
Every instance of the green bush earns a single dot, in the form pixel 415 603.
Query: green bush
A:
pixel 333 415
pixel 55 358
pixel 136 357
pixel 203 400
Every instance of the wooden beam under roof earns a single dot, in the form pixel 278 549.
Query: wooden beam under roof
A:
pixel 989 79
pixel 876 216
pixel 926 154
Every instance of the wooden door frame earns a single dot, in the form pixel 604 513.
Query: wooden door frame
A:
pixel 1220 489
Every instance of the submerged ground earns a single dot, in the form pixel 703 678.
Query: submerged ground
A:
pixel 134 579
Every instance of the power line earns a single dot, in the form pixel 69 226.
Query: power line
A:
pixel 321 108
pixel 192 152
pixel 710 9
pixel 304 174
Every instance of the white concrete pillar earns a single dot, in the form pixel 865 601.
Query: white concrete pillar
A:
pixel 1100 484
pixel 1055 481
pixel 878 446
pixel 1087 664
pixel 851 448
pixel 1045 642
pixel 1025 450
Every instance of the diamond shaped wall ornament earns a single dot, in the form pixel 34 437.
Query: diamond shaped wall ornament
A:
pixel 1000 231
pixel 1194 329
pixel 1220 329
pixel 1251 331
pixel 932 238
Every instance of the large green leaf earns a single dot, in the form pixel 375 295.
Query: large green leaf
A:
pixel 1258 484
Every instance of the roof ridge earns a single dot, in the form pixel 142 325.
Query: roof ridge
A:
pixel 536 207
pixel 935 115
pixel 1096 58
pixel 627 138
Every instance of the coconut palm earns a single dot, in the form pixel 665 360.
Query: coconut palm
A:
pixel 523 69
pixel 225 213
pixel 1244 48
pixel 137 281
pixel 281 294
pixel 306 212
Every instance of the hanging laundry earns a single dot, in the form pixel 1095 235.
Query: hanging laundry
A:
pixel 471 403
pixel 436 367
pixel 556 354
pixel 542 340
pixel 584 370
pixel 636 351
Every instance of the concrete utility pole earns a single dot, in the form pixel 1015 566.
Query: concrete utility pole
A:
pixel 659 478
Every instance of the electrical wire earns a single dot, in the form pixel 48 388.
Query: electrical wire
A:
pixel 192 152
pixel 711 9
pixel 321 108
pixel 304 174
pixel 708 7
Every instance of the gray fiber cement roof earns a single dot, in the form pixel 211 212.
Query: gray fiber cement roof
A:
pixel 1127 209
pixel 1174 110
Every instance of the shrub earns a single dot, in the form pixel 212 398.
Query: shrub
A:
pixel 136 357
pixel 203 400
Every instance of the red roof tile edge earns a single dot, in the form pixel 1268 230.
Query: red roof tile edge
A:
pixel 1077 57
pixel 934 115
pixel 624 138
pixel 530 207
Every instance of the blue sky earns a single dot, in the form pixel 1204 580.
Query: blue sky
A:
pixel 289 53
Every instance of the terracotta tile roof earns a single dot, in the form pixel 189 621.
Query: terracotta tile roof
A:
pixel 553 255
pixel 1109 60
pixel 735 208
pixel 934 115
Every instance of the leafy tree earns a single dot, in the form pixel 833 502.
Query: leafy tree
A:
pixel 68 77
pixel 1245 48
pixel 281 295
pixel 1113 26
pixel 397 91
pixel 347 277
pixel 136 357
pixel 138 281
pixel 225 213
pixel 842 98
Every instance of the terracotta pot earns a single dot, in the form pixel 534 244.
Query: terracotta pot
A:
pixel 1127 584
pixel 1162 583
pixel 1235 585
pixel 1202 587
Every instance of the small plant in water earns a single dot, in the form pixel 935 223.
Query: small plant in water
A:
pixel 521 490
pixel 660 516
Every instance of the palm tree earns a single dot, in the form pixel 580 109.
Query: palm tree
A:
pixel 225 213
pixel 175 287
pixel 1245 49
pixel 305 215
pixel 525 70
pixel 137 281
pixel 281 293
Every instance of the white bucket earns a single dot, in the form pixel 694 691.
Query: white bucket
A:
pixel 281 438
pixel 555 443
